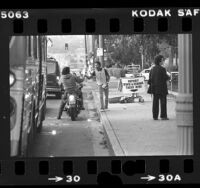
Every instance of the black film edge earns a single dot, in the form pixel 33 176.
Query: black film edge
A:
pixel 123 144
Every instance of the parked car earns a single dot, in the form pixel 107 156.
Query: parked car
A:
pixel 53 77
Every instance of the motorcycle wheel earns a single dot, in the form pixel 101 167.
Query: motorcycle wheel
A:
pixel 73 114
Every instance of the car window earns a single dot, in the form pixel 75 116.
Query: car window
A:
pixel 51 68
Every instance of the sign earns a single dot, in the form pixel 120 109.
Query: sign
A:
pixel 99 51
pixel 132 85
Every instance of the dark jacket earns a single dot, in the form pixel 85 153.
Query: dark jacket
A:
pixel 158 80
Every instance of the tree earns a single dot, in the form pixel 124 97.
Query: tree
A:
pixel 127 49
pixel 168 48
pixel 122 49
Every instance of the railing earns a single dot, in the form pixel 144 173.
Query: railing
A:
pixel 174 82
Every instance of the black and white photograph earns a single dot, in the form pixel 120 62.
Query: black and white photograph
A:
pixel 101 95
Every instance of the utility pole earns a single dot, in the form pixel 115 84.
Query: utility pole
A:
pixel 142 57
pixel 93 49
pixel 86 51
pixel 142 60
pixel 101 58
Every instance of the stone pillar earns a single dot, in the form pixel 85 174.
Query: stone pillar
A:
pixel 184 101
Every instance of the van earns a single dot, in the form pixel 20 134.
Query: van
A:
pixel 53 77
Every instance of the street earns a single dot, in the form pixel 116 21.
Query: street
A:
pixel 62 138
pixel 87 136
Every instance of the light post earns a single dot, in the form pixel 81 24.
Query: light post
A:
pixel 101 47
pixel 93 50
pixel 86 52
pixel 142 56
pixel 106 42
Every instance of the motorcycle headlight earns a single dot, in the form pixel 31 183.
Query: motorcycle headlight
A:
pixel 71 98
pixel 57 78
pixel 12 79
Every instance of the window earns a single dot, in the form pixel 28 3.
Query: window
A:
pixel 29 46
pixel 35 46
pixel 38 47
pixel 51 68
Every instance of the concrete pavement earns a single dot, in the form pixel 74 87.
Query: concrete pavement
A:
pixel 131 130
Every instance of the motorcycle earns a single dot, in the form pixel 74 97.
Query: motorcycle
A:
pixel 73 105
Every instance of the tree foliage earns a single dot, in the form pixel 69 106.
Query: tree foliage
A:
pixel 127 49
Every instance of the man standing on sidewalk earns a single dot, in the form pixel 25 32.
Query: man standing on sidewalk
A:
pixel 102 79
pixel 158 87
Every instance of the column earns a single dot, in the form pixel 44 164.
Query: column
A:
pixel 184 101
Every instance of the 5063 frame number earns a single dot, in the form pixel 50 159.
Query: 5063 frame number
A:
pixel 14 14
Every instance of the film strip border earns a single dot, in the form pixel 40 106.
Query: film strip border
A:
pixel 114 25
pixel 94 21
pixel 98 171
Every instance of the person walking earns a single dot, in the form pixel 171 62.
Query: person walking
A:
pixel 102 79
pixel 158 87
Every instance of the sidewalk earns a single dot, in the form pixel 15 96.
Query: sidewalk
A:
pixel 131 130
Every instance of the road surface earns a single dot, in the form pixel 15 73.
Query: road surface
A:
pixel 62 138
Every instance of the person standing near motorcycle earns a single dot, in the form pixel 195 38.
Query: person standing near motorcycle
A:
pixel 102 79
pixel 69 82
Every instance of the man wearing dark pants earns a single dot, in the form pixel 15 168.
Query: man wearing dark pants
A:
pixel 158 87
pixel 162 98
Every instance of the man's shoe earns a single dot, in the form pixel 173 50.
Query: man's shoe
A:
pixel 58 117
pixel 101 110
pixel 82 108
pixel 165 118
pixel 155 118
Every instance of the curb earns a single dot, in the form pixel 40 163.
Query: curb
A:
pixel 115 148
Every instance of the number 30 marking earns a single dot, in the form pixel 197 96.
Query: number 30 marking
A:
pixel 75 178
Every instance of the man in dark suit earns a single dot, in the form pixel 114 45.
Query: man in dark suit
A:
pixel 158 87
